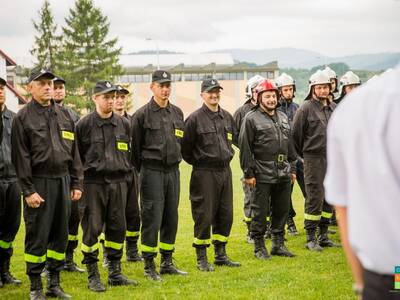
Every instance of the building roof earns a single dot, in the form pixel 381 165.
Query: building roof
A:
pixel 170 60
pixel 9 61
pixel 16 93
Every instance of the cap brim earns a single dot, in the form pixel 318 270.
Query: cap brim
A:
pixel 2 81
pixel 106 91
pixel 47 75
pixel 213 87
pixel 163 80
pixel 56 79
pixel 123 91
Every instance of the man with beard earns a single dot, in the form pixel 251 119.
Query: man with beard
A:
pixel 238 116
pixel 73 222
pixel 207 146
pixel 268 158
pixel 309 135
pixel 287 88
pixel 348 82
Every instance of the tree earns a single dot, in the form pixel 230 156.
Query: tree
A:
pixel 46 42
pixel 87 54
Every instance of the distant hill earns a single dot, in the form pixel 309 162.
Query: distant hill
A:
pixel 301 58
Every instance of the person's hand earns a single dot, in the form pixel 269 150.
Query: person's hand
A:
pixel 76 195
pixel 251 182
pixel 34 200
pixel 293 177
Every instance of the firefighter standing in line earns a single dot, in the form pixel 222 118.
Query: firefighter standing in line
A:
pixel 348 82
pixel 333 80
pixel 132 205
pixel 287 88
pixel 10 193
pixel 73 222
pixel 268 158
pixel 49 171
pixel 156 142
pixel 207 146
pixel 104 145
pixel 309 136
pixel 238 116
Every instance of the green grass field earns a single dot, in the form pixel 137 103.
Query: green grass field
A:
pixel 307 276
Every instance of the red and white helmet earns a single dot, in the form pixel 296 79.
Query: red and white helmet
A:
pixel 266 85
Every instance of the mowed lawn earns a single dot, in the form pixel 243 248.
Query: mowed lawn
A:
pixel 306 276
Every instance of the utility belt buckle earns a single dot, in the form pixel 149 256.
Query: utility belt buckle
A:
pixel 281 158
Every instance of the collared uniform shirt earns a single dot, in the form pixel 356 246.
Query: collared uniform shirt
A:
pixel 364 170
pixel 7 170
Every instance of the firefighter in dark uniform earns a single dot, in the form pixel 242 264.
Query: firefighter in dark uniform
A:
pixel 10 192
pixel 287 88
pixel 207 146
pixel 132 204
pixel 104 145
pixel 348 82
pixel 268 158
pixel 334 82
pixel 73 222
pixel 156 142
pixel 238 116
pixel 309 135
pixel 49 171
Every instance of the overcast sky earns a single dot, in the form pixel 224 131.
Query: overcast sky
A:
pixel 333 28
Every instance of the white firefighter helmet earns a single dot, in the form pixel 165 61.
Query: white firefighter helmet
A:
pixel 285 80
pixel 251 84
pixel 332 75
pixel 348 79
pixel 319 77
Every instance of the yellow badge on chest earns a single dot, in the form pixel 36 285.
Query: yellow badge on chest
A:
pixel 68 135
pixel 179 133
pixel 229 136
pixel 122 146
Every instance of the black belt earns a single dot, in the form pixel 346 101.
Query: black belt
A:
pixel 280 158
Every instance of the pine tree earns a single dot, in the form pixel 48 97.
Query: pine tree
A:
pixel 46 42
pixel 87 54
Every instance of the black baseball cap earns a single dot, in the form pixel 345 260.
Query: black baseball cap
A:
pixel 209 84
pixel 104 87
pixel 122 90
pixel 38 73
pixel 2 81
pixel 58 79
pixel 161 76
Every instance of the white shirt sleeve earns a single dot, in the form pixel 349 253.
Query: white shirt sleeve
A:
pixel 336 176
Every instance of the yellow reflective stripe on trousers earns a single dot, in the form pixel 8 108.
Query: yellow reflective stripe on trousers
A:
pixel 312 217
pixel 89 249
pixel 34 259
pixel 197 241
pixel 326 215
pixel 5 245
pixel 268 219
pixel 102 238
pixel 55 255
pixel 165 246
pixel 145 248
pixel 132 233
pixel 72 237
pixel 218 237
pixel 113 245
pixel 246 219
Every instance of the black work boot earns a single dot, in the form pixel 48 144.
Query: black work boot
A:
pixel 221 259
pixel 150 269
pixel 94 283
pixel 36 292
pixel 6 276
pixel 291 227
pixel 260 251
pixel 278 246
pixel 132 253
pixel 324 240
pixel 312 241
pixel 54 290
pixel 70 265
pixel 202 261
pixel 249 239
pixel 167 266
pixel 267 234
pixel 115 277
